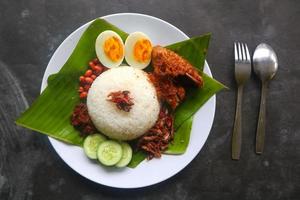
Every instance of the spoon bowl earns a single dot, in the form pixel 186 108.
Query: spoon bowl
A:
pixel 265 62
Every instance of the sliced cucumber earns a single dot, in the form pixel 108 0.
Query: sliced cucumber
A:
pixel 126 156
pixel 109 152
pixel 91 143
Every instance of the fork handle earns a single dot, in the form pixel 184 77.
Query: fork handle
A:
pixel 237 129
pixel 261 124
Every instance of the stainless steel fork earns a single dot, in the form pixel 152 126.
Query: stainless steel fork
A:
pixel 242 74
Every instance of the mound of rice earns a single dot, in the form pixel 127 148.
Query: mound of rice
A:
pixel 116 123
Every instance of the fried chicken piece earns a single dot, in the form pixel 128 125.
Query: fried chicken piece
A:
pixel 167 62
pixel 166 90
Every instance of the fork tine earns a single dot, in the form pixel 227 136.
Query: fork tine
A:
pixel 243 51
pixel 247 53
pixel 239 51
pixel 235 52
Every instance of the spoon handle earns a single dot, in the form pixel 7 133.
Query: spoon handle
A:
pixel 260 131
pixel 237 129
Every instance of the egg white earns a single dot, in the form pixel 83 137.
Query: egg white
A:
pixel 129 50
pixel 103 58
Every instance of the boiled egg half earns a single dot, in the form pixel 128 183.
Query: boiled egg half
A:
pixel 109 49
pixel 138 48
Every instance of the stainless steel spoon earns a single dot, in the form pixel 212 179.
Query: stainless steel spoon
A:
pixel 265 65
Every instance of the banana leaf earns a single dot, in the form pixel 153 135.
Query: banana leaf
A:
pixel 194 50
pixel 50 113
pixel 181 139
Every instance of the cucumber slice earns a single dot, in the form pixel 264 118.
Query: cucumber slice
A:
pixel 126 156
pixel 109 152
pixel 91 143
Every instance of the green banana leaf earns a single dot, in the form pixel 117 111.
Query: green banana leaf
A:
pixel 194 50
pixel 50 113
pixel 182 138
pixel 137 158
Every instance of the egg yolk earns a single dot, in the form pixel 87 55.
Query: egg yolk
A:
pixel 142 50
pixel 113 49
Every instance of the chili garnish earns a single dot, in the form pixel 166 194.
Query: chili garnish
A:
pixel 122 100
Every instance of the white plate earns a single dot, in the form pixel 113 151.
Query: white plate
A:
pixel 148 172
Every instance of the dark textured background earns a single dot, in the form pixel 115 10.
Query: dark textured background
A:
pixel 30 31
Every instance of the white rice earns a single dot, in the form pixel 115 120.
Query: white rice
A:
pixel 116 123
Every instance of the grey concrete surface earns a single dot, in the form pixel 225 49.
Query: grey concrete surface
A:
pixel 31 30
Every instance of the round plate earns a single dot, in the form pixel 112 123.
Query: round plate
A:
pixel 148 172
